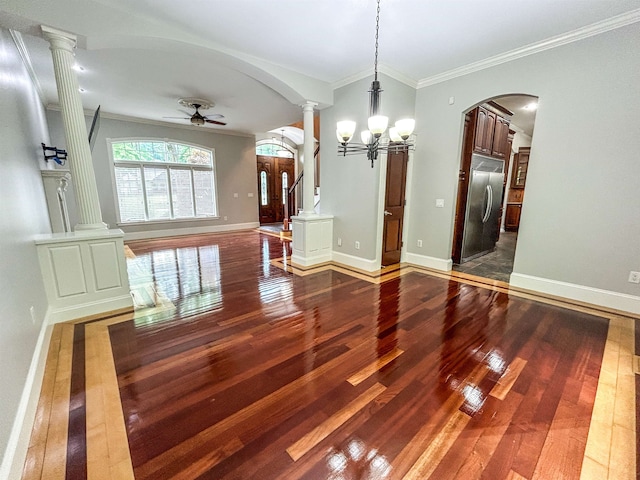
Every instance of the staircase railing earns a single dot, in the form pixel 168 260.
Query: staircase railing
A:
pixel 299 193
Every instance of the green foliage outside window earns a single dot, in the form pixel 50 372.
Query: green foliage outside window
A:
pixel 160 152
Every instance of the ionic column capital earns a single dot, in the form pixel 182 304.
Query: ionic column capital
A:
pixel 58 39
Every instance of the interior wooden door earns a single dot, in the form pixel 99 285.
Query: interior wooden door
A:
pixel 273 174
pixel 266 188
pixel 394 205
pixel 284 180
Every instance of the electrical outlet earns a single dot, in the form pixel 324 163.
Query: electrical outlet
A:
pixel 250 195
pixel 420 243
pixel 440 202
pixel 357 245
pixel 235 195
pixel 339 242
pixel 225 218
pixel 634 277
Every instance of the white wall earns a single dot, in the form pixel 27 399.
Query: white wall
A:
pixel 581 216
pixel 235 158
pixel 350 188
pixel 23 215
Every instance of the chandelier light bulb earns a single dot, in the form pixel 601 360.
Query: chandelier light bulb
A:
pixel 365 136
pixel 345 130
pixel 394 135
pixel 378 124
pixel 405 127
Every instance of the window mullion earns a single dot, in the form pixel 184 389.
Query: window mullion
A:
pixel 144 192
pixel 193 193
pixel 170 191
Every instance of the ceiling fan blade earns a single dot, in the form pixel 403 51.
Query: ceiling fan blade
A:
pixel 215 122
pixel 214 115
pixel 181 118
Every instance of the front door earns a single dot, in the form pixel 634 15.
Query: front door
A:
pixel 394 205
pixel 275 175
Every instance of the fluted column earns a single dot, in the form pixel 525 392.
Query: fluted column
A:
pixel 308 180
pixel 62 45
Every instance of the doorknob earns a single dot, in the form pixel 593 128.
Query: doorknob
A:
pixel 387 213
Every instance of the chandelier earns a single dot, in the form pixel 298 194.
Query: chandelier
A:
pixel 377 123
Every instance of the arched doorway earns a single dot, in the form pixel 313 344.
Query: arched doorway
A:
pixel 494 160
pixel 276 173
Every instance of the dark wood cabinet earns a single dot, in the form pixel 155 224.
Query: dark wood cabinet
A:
pixel 499 147
pixel 516 192
pixel 520 167
pixel 485 121
pixel 512 217
pixel 491 131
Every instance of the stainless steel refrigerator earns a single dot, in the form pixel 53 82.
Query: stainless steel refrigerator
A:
pixel 481 223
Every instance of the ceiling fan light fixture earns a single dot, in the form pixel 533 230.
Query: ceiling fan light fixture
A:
pixel 197 121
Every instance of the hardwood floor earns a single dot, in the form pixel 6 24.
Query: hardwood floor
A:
pixel 241 366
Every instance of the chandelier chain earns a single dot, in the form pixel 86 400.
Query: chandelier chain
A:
pixel 375 62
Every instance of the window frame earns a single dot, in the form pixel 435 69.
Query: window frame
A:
pixel 167 166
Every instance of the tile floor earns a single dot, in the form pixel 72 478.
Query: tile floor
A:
pixel 496 265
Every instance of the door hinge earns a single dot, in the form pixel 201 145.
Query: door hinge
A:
pixel 401 244
pixel 404 203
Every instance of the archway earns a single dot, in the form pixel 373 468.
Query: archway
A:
pixel 496 144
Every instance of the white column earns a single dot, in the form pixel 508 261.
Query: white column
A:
pixel 309 168
pixel 62 45
pixel 312 234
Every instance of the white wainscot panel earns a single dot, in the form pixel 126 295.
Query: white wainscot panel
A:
pixel 298 236
pixel 68 273
pixel 314 232
pixel 106 268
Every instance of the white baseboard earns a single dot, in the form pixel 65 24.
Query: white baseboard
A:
pixel 355 262
pixel 310 261
pixel 581 293
pixel 18 444
pixel 429 262
pixel 62 314
pixel 129 236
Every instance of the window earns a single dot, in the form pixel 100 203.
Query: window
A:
pixel 158 180
pixel 264 199
pixel 274 150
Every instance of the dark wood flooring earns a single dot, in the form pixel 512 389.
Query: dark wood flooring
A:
pixel 235 368
pixel 262 374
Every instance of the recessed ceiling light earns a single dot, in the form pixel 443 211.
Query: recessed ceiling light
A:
pixel 78 68
pixel 531 106
pixel 81 90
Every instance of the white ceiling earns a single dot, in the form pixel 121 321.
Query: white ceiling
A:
pixel 141 56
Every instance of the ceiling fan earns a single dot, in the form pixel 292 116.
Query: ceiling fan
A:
pixel 197 118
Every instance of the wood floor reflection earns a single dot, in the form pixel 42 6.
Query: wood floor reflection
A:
pixel 239 369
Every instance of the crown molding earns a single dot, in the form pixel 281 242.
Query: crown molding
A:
pixel 26 60
pixel 575 35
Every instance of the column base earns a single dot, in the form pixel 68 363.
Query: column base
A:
pixel 84 274
pixel 312 239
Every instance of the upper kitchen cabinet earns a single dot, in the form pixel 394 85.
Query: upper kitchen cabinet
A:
pixel 491 130
pixel 520 166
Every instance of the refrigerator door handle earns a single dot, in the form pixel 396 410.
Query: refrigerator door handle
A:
pixel 487 210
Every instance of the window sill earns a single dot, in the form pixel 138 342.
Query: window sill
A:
pixel 167 222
